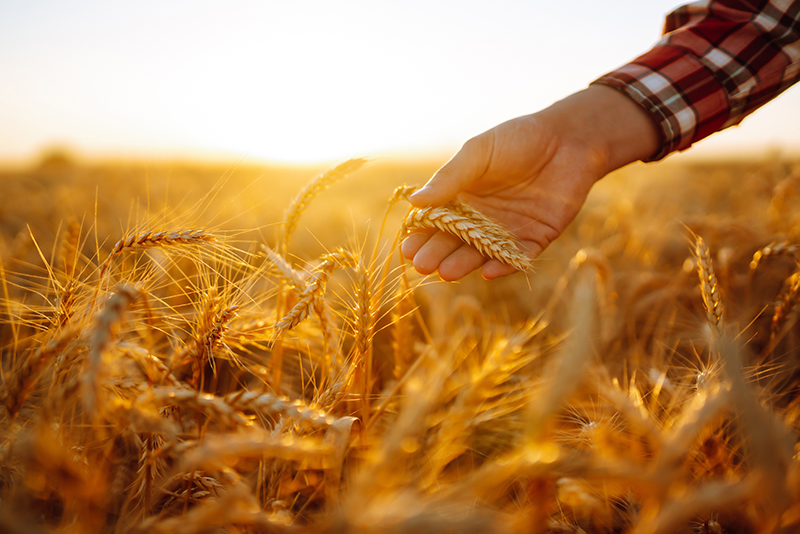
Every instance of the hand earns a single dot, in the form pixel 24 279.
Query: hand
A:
pixel 532 174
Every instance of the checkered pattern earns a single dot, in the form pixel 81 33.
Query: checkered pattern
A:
pixel 719 61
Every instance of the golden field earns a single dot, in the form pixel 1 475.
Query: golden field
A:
pixel 192 348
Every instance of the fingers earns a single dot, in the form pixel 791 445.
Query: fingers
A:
pixel 466 166
pixel 414 241
pixel 460 263
pixel 493 269
pixel 434 251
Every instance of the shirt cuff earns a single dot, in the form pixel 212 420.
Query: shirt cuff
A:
pixel 683 96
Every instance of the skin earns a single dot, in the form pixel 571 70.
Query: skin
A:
pixel 532 174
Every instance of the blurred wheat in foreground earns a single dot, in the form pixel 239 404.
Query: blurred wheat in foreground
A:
pixel 178 381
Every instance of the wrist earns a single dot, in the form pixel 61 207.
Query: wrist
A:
pixel 608 124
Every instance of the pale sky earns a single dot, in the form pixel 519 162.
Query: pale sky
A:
pixel 308 81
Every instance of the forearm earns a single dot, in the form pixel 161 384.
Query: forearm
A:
pixel 607 123
pixel 718 62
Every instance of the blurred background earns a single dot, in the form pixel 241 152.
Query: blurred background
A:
pixel 313 81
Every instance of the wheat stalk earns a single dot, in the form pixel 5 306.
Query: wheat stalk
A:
pixel 284 269
pixel 66 303
pixel 266 403
pixel 471 226
pixel 786 304
pixel 114 309
pixel 709 287
pixel 21 384
pixel 209 335
pixel 315 288
pixel 156 239
pixel 402 328
pixel 776 248
pixel 364 326
pixel 311 190
pixel 71 249
pixel 206 403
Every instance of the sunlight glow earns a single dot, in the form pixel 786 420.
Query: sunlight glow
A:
pixel 313 80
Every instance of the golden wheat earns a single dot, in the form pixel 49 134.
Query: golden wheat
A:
pixel 152 239
pixel 585 403
pixel 709 287
pixel 463 221
pixel 312 189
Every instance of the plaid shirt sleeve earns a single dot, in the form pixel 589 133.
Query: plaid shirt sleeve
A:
pixel 719 60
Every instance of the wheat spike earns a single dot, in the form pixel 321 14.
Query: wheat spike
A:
pixel 776 248
pixel 311 190
pixel 786 303
pixel 24 380
pixel 208 404
pixel 709 287
pixel 364 326
pixel 114 309
pixel 71 249
pixel 315 288
pixel 267 403
pixel 282 267
pixel 471 226
pixel 157 239
pixel 210 334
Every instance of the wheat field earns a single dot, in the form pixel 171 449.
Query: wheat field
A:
pixel 188 348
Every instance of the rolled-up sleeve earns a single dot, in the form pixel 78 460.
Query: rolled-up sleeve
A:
pixel 718 62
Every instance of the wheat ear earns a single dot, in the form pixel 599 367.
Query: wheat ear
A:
pixel 781 248
pixel 24 380
pixel 66 303
pixel 156 239
pixel 208 404
pixel 364 326
pixel 709 287
pixel 315 288
pixel 266 403
pixel 786 304
pixel 210 334
pixel 311 190
pixel 114 309
pixel 471 226
pixel 71 249
pixel 284 269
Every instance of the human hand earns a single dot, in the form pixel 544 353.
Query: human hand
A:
pixel 532 174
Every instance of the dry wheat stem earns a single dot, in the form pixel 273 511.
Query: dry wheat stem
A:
pixel 157 239
pixel 402 328
pixel 471 226
pixel 329 336
pixel 709 287
pixel 311 190
pixel 101 335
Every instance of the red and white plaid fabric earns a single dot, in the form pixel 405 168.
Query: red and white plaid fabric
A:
pixel 719 60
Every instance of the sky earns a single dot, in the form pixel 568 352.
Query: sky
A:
pixel 309 81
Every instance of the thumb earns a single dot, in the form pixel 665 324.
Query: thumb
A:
pixel 465 167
